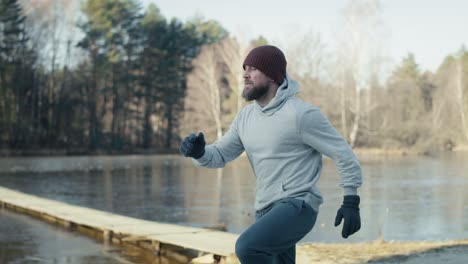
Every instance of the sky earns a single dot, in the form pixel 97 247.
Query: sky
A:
pixel 430 29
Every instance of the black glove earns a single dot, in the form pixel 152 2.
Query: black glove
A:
pixel 350 212
pixel 193 146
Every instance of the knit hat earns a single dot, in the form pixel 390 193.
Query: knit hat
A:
pixel 268 59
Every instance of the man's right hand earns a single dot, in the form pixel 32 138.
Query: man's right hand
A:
pixel 193 146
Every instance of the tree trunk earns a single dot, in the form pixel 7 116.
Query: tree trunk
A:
pixel 240 89
pixel 116 112
pixel 115 120
pixel 92 128
pixel 367 116
pixel 460 97
pixel 92 106
pixel 357 117
pixel 344 128
pixel 169 128
pixel 4 107
pixel 216 106
pixel 147 128
pixel 51 102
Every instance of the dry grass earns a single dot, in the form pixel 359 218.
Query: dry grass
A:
pixel 383 151
pixel 365 252
pixel 461 148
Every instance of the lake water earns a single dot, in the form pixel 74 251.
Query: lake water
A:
pixel 402 198
pixel 26 240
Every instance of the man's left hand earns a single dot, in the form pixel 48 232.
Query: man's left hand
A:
pixel 349 211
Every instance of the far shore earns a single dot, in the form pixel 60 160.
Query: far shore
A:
pixel 360 152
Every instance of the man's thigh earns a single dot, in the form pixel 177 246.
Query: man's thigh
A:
pixel 287 222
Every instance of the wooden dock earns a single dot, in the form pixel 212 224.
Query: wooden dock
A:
pixel 149 235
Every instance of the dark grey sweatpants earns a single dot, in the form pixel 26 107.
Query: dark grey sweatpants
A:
pixel 277 229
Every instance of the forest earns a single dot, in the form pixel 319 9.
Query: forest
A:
pixel 112 76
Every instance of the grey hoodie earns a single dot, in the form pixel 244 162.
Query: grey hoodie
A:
pixel 284 142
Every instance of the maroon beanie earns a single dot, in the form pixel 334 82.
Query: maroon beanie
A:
pixel 269 60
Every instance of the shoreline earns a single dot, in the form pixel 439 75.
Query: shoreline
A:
pixel 10 153
pixel 361 152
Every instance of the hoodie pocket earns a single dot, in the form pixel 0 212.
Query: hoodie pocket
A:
pixel 266 189
pixel 285 186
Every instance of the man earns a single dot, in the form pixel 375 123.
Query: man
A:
pixel 284 139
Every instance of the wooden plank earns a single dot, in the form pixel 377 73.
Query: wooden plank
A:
pixel 200 239
pixel 219 243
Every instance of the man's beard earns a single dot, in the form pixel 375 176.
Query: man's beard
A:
pixel 255 93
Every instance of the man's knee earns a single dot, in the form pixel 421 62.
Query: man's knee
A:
pixel 242 247
pixel 248 246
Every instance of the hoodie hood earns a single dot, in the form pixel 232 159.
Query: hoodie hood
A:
pixel 288 89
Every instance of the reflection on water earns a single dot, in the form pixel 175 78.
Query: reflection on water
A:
pixel 25 240
pixel 407 198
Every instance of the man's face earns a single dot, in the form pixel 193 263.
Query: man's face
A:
pixel 256 84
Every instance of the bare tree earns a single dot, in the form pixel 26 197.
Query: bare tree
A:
pixel 449 99
pixel 306 56
pixel 52 27
pixel 307 64
pixel 358 50
pixel 232 54
pixel 214 88
pixel 203 102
